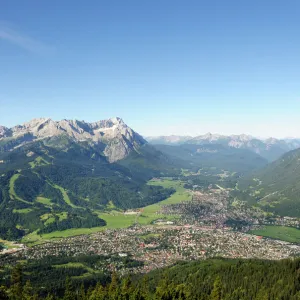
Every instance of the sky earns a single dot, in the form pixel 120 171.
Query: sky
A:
pixel 163 66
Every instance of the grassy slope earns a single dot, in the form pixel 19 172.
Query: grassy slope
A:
pixel 22 211
pixel 74 265
pixel 288 234
pixel 39 161
pixel 89 271
pixel 12 192
pixel 65 195
pixel 45 201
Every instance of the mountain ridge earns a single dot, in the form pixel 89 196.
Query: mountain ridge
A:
pixel 118 137
pixel 269 148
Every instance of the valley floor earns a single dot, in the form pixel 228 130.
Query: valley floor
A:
pixel 189 225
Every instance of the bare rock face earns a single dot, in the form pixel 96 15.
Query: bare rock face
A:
pixel 4 132
pixel 119 138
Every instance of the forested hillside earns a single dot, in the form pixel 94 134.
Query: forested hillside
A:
pixel 57 183
pixel 215 156
pixel 213 279
pixel 276 187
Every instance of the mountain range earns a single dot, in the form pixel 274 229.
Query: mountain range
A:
pixel 56 175
pixel 214 157
pixel 273 187
pixel 270 148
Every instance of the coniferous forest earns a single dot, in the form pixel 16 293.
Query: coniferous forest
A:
pixel 209 279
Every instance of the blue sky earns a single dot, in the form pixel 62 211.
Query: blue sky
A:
pixel 164 66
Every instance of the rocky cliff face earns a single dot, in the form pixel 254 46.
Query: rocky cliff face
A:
pixel 118 138
pixel 4 132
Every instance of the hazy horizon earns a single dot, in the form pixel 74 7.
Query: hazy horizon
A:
pixel 182 130
pixel 227 67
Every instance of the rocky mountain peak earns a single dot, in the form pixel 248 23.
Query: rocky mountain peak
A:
pixel 4 131
pixel 119 138
pixel 208 137
pixel 117 120
pixel 242 137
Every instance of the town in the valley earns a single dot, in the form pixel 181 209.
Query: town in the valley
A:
pixel 211 224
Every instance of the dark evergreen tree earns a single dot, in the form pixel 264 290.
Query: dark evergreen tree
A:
pixel 50 297
pixel 16 288
pixel 113 289
pixel 27 291
pixel 69 292
pixel 3 293
pixel 216 293
pixel 126 289
pixel 81 294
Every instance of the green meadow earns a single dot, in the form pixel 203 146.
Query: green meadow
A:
pixel 12 192
pixel 284 233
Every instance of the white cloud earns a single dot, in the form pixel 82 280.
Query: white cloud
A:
pixel 19 39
